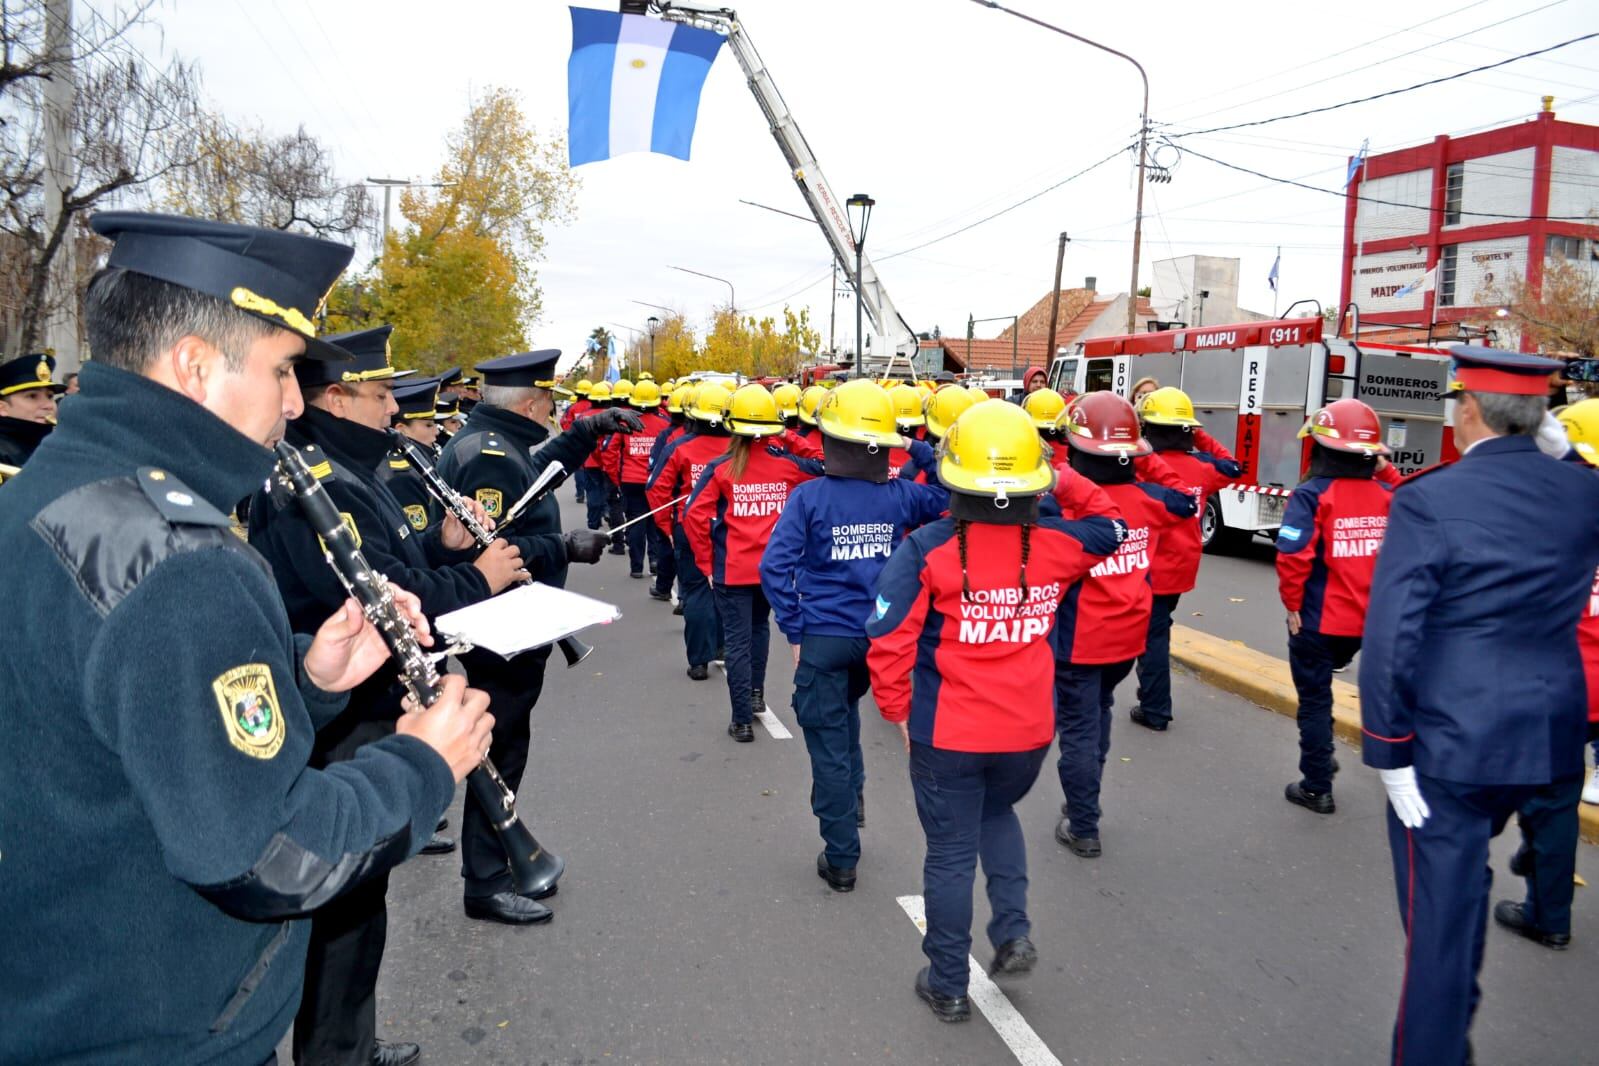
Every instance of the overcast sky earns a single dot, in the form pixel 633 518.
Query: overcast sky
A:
pixel 942 110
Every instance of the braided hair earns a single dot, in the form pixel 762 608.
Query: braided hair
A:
pixel 1027 547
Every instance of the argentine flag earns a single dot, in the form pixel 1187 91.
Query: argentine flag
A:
pixel 633 84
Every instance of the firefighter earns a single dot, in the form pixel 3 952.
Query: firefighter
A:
pixel 1044 407
pixel 736 502
pixel 626 460
pixel 575 410
pixel 911 424
pixel 819 572
pixel 676 404
pixel 803 444
pixel 1327 549
pixel 597 493
pixel 788 401
pixel 686 458
pixel 1167 415
pixel 979 394
pixel 1104 628
pixel 810 400
pixel 1549 822
pixel 943 407
pixel 1471 690
pixel 968 604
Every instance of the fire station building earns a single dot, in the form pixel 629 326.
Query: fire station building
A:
pixel 1478 210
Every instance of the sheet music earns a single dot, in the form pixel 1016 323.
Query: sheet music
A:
pixel 528 616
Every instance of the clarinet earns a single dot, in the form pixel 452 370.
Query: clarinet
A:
pixel 534 869
pixel 572 649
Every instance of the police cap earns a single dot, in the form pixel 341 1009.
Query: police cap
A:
pixel 446 408
pixel 529 369
pixel 370 360
pixel 281 278
pixel 1478 369
pixel 450 377
pixel 416 400
pixel 28 372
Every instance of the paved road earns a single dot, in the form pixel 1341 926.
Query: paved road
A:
pixel 1221 926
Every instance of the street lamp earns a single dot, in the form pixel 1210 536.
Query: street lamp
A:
pixel 1143 145
pixel 732 298
pixel 971 323
pixel 859 204
pixel 388 185
pixel 653 323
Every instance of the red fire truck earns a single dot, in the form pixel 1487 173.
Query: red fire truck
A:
pixel 1255 383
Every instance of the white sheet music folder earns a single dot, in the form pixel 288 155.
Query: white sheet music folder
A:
pixel 529 616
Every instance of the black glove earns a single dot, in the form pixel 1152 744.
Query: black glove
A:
pixel 614 420
pixel 585 545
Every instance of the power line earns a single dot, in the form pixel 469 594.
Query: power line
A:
pixel 1391 92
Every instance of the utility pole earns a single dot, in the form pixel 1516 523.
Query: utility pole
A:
pixel 832 310
pixel 1054 307
pixel 60 89
pixel 390 184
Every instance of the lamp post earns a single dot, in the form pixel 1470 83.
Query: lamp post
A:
pixel 1143 145
pixel 859 204
pixel 388 185
pixel 1015 321
pixel 653 323
pixel 732 298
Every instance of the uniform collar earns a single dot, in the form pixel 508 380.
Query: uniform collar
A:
pixel 498 419
pixel 360 447
pixel 1516 442
pixel 135 422
pixel 26 433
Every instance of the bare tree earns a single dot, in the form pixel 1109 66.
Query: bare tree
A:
pixel 24 55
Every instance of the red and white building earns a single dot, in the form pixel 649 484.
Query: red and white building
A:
pixel 1480 209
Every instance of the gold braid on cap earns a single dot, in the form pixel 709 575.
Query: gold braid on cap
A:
pixel 292 317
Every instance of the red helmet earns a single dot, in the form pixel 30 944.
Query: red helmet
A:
pixel 1102 423
pixel 1346 426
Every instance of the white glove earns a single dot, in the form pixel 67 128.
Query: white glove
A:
pixel 1551 438
pixel 1405 795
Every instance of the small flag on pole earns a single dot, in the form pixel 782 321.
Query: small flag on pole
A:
pixel 1271 279
pixel 633 84
pixel 1425 283
pixel 1356 163
pixel 613 371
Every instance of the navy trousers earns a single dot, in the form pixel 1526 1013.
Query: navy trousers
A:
pixel 635 505
pixel 1549 831
pixel 746 618
pixel 662 559
pixel 1154 666
pixel 702 628
pixel 966 804
pixel 1312 658
pixel 1084 694
pixel 594 492
pixel 828 684
pixel 1443 879
pixel 580 481
pixel 514 686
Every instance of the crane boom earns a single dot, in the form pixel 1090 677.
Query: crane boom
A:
pixel 828 210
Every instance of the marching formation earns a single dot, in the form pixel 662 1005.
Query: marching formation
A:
pixel 234 743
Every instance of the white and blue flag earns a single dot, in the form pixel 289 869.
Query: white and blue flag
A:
pixel 633 84
pixel 1359 161
pixel 1276 264
pixel 613 370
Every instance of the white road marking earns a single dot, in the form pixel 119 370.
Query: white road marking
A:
pixel 987 997
pixel 774 725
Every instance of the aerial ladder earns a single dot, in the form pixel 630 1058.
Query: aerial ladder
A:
pixel 895 338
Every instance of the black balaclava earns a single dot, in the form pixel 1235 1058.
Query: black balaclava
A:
pixel 1102 469
pixel 1169 438
pixel 1021 511
pixel 1329 462
pixel 851 459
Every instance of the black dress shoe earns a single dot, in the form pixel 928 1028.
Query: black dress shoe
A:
pixel 1082 847
pixel 657 594
pixel 757 700
pixel 743 732
pixel 699 672
pixel 678 610
pixel 444 823
pixel 839 879
pixel 945 1008
pixel 1153 724
pixel 439 845
pixel 1513 916
pixel 1014 956
pixel 860 809
pixel 1320 802
pixel 618 549
pixel 384 1054
pixel 507 908
pixel 636 573
pixel 1521 862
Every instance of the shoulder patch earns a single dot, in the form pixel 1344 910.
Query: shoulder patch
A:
pixel 251 714
pixel 399 464
pixel 492 501
pixel 417 515
pixel 1289 533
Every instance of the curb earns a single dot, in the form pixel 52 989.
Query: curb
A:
pixel 1264 680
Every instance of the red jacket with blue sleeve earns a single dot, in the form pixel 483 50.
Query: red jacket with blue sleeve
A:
pixel 836 534
pixel 806 446
pixel 1199 474
pixel 1106 618
pixel 1327 551
pixel 1588 641
pixel 969 661
pixel 1076 496
pixel 576 410
pixel 729 520
pixel 625 457
pixel 678 473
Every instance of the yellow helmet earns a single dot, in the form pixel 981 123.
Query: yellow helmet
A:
pixel 622 389
pixel 993 449
pixel 583 386
pixel 788 399
pixel 600 392
pixel 645 375
pixel 1044 407
pixel 676 403
pixel 859 411
pixel 1581 420
pixel 926 388
pixel 944 406
pixel 752 412
pixel 1167 407
pixel 907 405
pixel 645 394
pixel 810 400
pixel 979 394
pixel 710 403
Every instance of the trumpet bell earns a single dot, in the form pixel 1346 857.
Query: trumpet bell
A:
pixel 574 650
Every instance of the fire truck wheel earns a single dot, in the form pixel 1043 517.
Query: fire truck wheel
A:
pixel 1216 538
